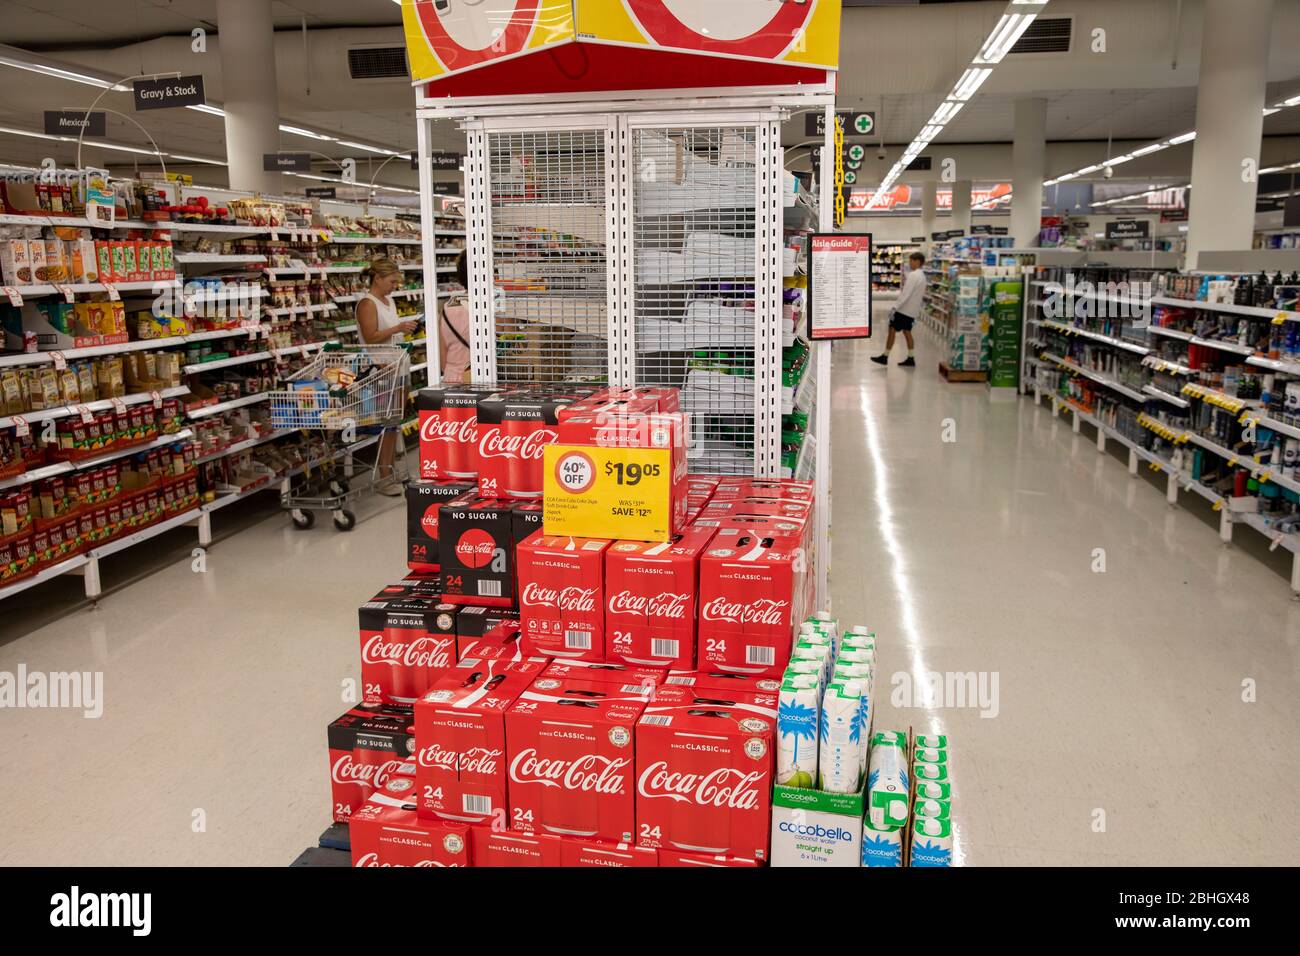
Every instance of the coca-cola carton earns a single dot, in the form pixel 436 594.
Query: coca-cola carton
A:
pixel 677 858
pixel 667 400
pixel 406 644
pixel 494 847
pixel 460 738
pixel 386 831
pixel 766 507
pixel 604 405
pixel 650 600
pixel 704 773
pixel 570 750
pixel 527 519
pixel 753 594
pixel 604 673
pixel 576 851
pixel 730 488
pixel 477 551
pixel 722 683
pixel 449 431
pixel 424 500
pixel 561 596
pixel 421 585
pixel 366 745
pixel 489 633
pixel 513 428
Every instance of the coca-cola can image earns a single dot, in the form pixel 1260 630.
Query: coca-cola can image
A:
pixel 570 750
pixel 424 499
pixel 449 431
pixel 406 644
pixel 387 831
pixel 476 551
pixel 561 596
pixel 385 744
pixel 460 739
pixel 650 600
pixel 512 431
pixel 493 847
pixel 704 773
pixel 753 594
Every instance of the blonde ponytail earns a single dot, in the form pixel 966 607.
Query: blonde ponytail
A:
pixel 378 269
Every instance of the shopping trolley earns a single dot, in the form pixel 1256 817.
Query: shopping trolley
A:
pixel 344 392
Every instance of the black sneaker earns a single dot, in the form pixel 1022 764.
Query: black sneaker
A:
pixel 908 362
pixel 880 359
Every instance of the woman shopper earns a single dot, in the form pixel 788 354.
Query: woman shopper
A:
pixel 453 330
pixel 379 324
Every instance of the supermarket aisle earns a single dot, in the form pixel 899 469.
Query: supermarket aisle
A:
pixel 1114 698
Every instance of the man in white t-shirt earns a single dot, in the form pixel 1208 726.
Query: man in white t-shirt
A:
pixel 905 312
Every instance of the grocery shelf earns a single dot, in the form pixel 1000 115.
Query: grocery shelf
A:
pixel 1251 310
pixel 1165 396
pixel 1095 376
pixel 244 445
pixel 1170 333
pixel 1275 365
pixel 207 258
pixel 1164 365
pixel 1096 336
pixel 1277 426
pixel 1215 397
pixel 40 291
pixel 121 544
pixel 98 405
pixel 391 241
pixel 63 567
pixel 208 410
pixel 225 363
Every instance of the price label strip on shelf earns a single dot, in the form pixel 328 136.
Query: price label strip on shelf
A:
pixel 119 406
pixel 156 398
pixel 68 295
pixel 113 294
pixel 22 429
pixel 589 491
pixel 15 297
pixel 60 361
pixel 86 416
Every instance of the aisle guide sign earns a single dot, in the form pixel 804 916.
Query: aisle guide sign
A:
pixel 839 286
pixel 589 490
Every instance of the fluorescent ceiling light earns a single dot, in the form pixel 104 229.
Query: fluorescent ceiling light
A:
pixel 930 132
pixel 197 159
pixel 299 131
pixel 64 74
pixel 1153 148
pixel 1184 138
pixel 1004 36
pixel 946 111
pixel 372 149
pixel 970 83
pixel 34 135
pixel 205 108
pixel 1086 170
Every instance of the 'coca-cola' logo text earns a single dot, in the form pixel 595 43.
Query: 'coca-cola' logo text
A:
pixel 482 760
pixel 764 611
pixel 590 773
pixel 463 432
pixel 421 652
pixel 565 599
pixel 372 859
pixel 494 443
pixel 347 770
pixel 723 787
pixel 668 606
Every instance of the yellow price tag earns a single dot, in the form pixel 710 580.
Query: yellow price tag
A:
pixel 1266 476
pixel 1232 462
pixel 592 492
pixel 1279 318
pixel 1217 506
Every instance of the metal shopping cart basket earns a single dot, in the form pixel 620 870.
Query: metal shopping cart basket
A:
pixel 355 396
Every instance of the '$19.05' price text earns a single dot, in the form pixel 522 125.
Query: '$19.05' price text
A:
pixel 631 473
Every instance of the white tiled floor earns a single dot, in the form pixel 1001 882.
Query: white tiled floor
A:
pixel 1119 692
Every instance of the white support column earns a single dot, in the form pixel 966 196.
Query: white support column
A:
pixel 1295 575
pixel 478 225
pixel 1171 489
pixel 1075 421
pixel 90 577
pixel 1225 525
pixel 929 204
pixel 1101 440
pixel 428 244
pixel 246 37
pixel 1132 463
pixel 1229 124
pixel 205 529
pixel 961 205
pixel 1028 160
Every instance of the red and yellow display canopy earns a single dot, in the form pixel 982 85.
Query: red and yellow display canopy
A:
pixel 468 48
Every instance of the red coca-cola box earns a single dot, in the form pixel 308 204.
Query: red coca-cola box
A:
pixel 499 847
pixel 650 600
pixel 604 672
pixel 763 488
pixel 677 858
pixel 667 399
pixel 406 644
pixel 424 500
pixel 785 527
pixel 576 851
pixel 753 594
pixel 460 738
pixel 764 507
pixel 387 831
pixel 489 633
pixel 366 745
pixel 561 596
pixel 704 773
pixel 415 585
pixel 513 429
pixel 603 406
pixel 569 744
pixel 476 550
pixel 527 519
pixel 715 683
pixel 449 431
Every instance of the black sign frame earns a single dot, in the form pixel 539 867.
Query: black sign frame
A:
pixel 168 92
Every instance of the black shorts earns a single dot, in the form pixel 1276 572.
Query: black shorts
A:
pixel 900 322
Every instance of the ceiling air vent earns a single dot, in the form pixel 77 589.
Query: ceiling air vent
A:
pixel 1046 35
pixel 377 62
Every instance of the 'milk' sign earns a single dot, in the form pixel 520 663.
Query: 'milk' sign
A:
pixel 168 92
